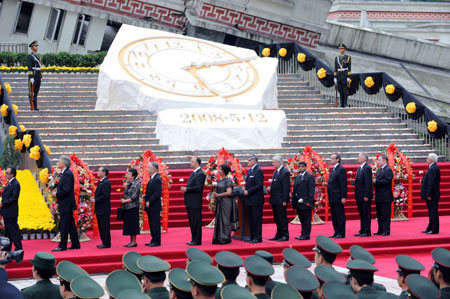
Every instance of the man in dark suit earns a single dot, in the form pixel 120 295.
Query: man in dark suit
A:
pixel 66 205
pixel 193 197
pixel 363 194
pixel 337 193
pixel 153 204
pixel 303 199
pixel 383 196
pixel 102 202
pixel 430 192
pixel 254 201
pixel 279 198
pixel 9 209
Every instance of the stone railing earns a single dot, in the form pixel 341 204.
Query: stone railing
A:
pixel 14 47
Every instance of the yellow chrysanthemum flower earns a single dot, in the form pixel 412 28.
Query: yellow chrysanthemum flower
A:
pixel 282 52
pixel 432 126
pixel 18 145
pixel 266 52
pixel 301 57
pixel 27 140
pixel 13 131
pixel 8 88
pixel 22 127
pixel 322 73
pixel 4 110
pixel 47 149
pixel 369 82
pixel 35 152
pixel 411 107
pixel 16 109
pixel 43 175
pixel 390 89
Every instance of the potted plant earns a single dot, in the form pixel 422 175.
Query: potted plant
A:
pixel 25 234
pixel 32 234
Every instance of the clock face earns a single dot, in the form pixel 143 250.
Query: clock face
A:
pixel 188 67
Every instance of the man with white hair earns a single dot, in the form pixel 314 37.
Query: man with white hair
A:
pixel 279 198
pixel 430 192
pixel 153 204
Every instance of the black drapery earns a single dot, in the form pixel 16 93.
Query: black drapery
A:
pixel 442 126
pixel 289 48
pixel 398 88
pixel 310 59
pixel 328 80
pixel 377 79
pixel 408 98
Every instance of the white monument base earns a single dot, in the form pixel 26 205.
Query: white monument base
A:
pixel 212 129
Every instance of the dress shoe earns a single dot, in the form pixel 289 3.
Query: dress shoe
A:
pixel 155 244
pixel 74 247
pixel 425 231
pixel 358 235
pixel 58 249
pixel 377 234
pixel 274 239
pixel 302 238
pixel 35 108
pixel 255 241
pixel 130 245
pixel 282 239
pixel 103 246
pixel 364 235
pixel 385 234
pixel 188 243
pixel 339 237
pixel 431 233
pixel 148 244
pixel 332 236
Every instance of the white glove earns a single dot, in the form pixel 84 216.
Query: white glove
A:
pixel 348 80
pixel 32 81
pixel 300 200
pixel 335 81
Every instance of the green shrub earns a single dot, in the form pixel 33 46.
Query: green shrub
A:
pixel 8 58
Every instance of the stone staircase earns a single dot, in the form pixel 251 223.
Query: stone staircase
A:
pixel 69 124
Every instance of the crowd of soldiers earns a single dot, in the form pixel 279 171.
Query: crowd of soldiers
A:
pixel 144 277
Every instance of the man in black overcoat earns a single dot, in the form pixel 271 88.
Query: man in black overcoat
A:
pixel 9 209
pixel 153 204
pixel 102 201
pixel 363 194
pixel 383 196
pixel 430 192
pixel 254 201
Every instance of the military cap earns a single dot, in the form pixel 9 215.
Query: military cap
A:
pixel 119 280
pixel 441 256
pixel 150 264
pixel 43 260
pixel 407 263
pixel 326 274
pixel 257 266
pixel 233 291
pixel 337 290
pixel 359 253
pixel 324 244
pixel 342 46
pixel 301 278
pixel 421 287
pixel 85 287
pixel 131 293
pixel 129 260
pixel 197 254
pixel 33 43
pixel 228 259
pixel 359 265
pixel 283 290
pixel 179 279
pixel 265 255
pixel 67 271
pixel 293 257
pixel 204 273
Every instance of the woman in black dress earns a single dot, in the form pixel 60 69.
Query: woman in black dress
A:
pixel 130 205
pixel 224 203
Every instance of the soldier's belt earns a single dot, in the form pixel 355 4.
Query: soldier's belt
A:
pixel 343 70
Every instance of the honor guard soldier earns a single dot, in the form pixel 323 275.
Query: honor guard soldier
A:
pixel 67 271
pixel 284 290
pixel 361 279
pixel 441 271
pixel 34 64
pixel 302 280
pixel 326 251
pixel 258 274
pixel 337 290
pixel 265 255
pixel 406 266
pixel 420 287
pixel 325 274
pixel 228 263
pixel 180 287
pixel 197 254
pixel 204 279
pixel 44 267
pixel 129 260
pixel 342 71
pixel 84 287
pixel 359 253
pixel 131 293
pixel 154 273
pixel 235 291
pixel 120 280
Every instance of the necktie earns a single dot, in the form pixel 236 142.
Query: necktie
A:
pixel 275 175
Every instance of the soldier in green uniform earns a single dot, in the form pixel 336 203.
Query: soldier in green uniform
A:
pixel 361 279
pixel 342 71
pixel 233 291
pixel 258 273
pixel 420 287
pixel 440 273
pixel 286 291
pixel 337 290
pixel 67 271
pixel 302 280
pixel 180 287
pixel 265 255
pixel 84 287
pixel 325 274
pixel 197 254
pixel 204 279
pixel 229 264
pixel 154 273
pixel 129 260
pixel 34 64
pixel 326 251
pixel 44 267
pixel 359 253
pixel 406 266
pixel 121 280
pixel 132 294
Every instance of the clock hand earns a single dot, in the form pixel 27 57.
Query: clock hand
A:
pixel 205 64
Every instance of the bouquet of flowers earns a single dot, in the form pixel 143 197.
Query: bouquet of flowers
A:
pixel 84 214
pixel 400 198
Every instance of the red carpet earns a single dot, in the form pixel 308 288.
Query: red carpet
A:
pixel 405 238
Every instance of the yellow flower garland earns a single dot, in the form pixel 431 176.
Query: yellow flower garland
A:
pixel 34 213
pixel 13 131
pixel 35 152
pixel 43 175
pixel 266 52
pixel 432 126
pixel 18 145
pixel 322 73
pixel 369 82
pixel 4 110
pixel 47 149
pixel 411 107
pixel 390 89
pixel 301 57
pixel 26 140
pixel 282 52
